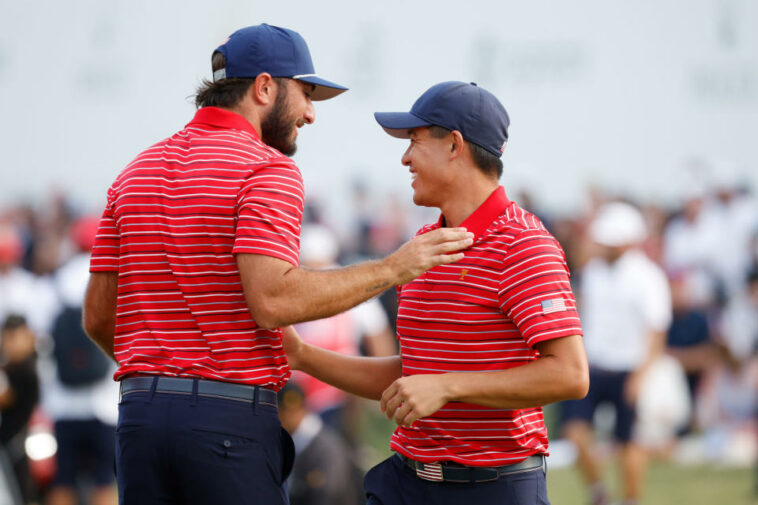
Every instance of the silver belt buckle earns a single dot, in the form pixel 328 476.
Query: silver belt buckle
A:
pixel 429 471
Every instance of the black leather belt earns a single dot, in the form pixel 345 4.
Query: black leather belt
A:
pixel 216 389
pixel 447 471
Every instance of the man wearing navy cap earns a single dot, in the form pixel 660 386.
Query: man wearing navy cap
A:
pixel 486 341
pixel 195 268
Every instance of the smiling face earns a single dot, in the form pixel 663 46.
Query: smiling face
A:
pixel 291 110
pixel 433 177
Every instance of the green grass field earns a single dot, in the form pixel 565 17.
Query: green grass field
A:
pixel 667 484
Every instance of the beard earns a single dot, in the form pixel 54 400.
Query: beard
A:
pixel 278 125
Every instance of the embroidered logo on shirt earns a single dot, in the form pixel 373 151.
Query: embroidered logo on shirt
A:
pixel 463 273
pixel 554 305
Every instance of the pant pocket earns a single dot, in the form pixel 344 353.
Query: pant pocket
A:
pixel 288 454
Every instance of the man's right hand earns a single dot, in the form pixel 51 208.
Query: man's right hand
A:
pixel 426 251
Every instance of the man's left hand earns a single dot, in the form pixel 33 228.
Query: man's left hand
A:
pixel 413 397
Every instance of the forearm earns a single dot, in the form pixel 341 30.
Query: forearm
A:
pixel 305 295
pixel 278 293
pixel 99 310
pixel 359 375
pixel 104 340
pixel 560 373
pixel 532 385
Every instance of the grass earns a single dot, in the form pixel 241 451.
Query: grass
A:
pixel 666 484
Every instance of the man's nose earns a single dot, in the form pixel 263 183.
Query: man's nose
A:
pixel 310 113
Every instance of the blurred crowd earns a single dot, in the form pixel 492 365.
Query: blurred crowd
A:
pixel 58 402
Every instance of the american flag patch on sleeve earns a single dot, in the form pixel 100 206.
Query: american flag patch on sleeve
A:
pixel 554 305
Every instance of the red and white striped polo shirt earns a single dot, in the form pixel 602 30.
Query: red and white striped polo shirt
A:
pixel 484 313
pixel 174 219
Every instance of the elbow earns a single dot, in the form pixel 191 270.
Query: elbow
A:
pixel 580 388
pixel 96 327
pixel 268 314
pixel 577 383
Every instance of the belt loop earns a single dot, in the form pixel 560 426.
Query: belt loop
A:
pixel 195 384
pixel 153 387
pixel 255 399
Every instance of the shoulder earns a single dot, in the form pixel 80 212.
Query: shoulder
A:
pixel 640 270
pixel 637 260
pixel 427 228
pixel 518 229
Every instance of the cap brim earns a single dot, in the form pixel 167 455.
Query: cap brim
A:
pixel 324 89
pixel 397 124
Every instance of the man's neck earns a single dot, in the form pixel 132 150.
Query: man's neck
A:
pixel 250 113
pixel 467 199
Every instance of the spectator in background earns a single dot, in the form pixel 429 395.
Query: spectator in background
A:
pixel 81 396
pixel 730 400
pixel 689 241
pixel 689 336
pixel 733 215
pixel 19 395
pixel 361 215
pixel 324 472
pixel 625 308
pixel 22 292
pixel 739 323
pixel 364 327
pixel 728 410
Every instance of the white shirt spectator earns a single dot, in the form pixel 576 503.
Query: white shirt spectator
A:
pixel 739 324
pixel 24 294
pixel 689 245
pixel 621 303
pixel 732 227
pixel 99 400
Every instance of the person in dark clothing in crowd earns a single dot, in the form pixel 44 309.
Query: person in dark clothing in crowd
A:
pixel 324 472
pixel 19 395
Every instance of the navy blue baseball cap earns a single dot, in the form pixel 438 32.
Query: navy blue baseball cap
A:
pixel 278 51
pixel 473 111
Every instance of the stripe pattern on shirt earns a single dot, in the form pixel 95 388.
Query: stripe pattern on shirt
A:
pixel 174 219
pixel 484 313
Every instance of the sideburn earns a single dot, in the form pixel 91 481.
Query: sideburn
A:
pixel 276 127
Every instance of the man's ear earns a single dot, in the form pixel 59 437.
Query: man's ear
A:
pixel 264 89
pixel 456 144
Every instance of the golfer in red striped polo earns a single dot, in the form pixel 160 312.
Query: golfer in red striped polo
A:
pixel 195 267
pixel 485 341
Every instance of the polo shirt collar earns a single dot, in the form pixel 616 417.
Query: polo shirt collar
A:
pixel 222 118
pixel 478 222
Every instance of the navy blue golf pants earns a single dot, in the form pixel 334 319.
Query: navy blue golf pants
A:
pixel 393 483
pixel 198 450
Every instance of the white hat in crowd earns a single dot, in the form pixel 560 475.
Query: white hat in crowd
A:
pixel 618 224
pixel 318 245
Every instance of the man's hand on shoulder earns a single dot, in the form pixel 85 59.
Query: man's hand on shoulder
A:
pixel 422 252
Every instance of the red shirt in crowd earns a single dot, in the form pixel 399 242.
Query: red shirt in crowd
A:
pixel 174 219
pixel 484 313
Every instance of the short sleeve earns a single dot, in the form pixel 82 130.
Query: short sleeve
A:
pixel 105 251
pixel 270 212
pixel 534 289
